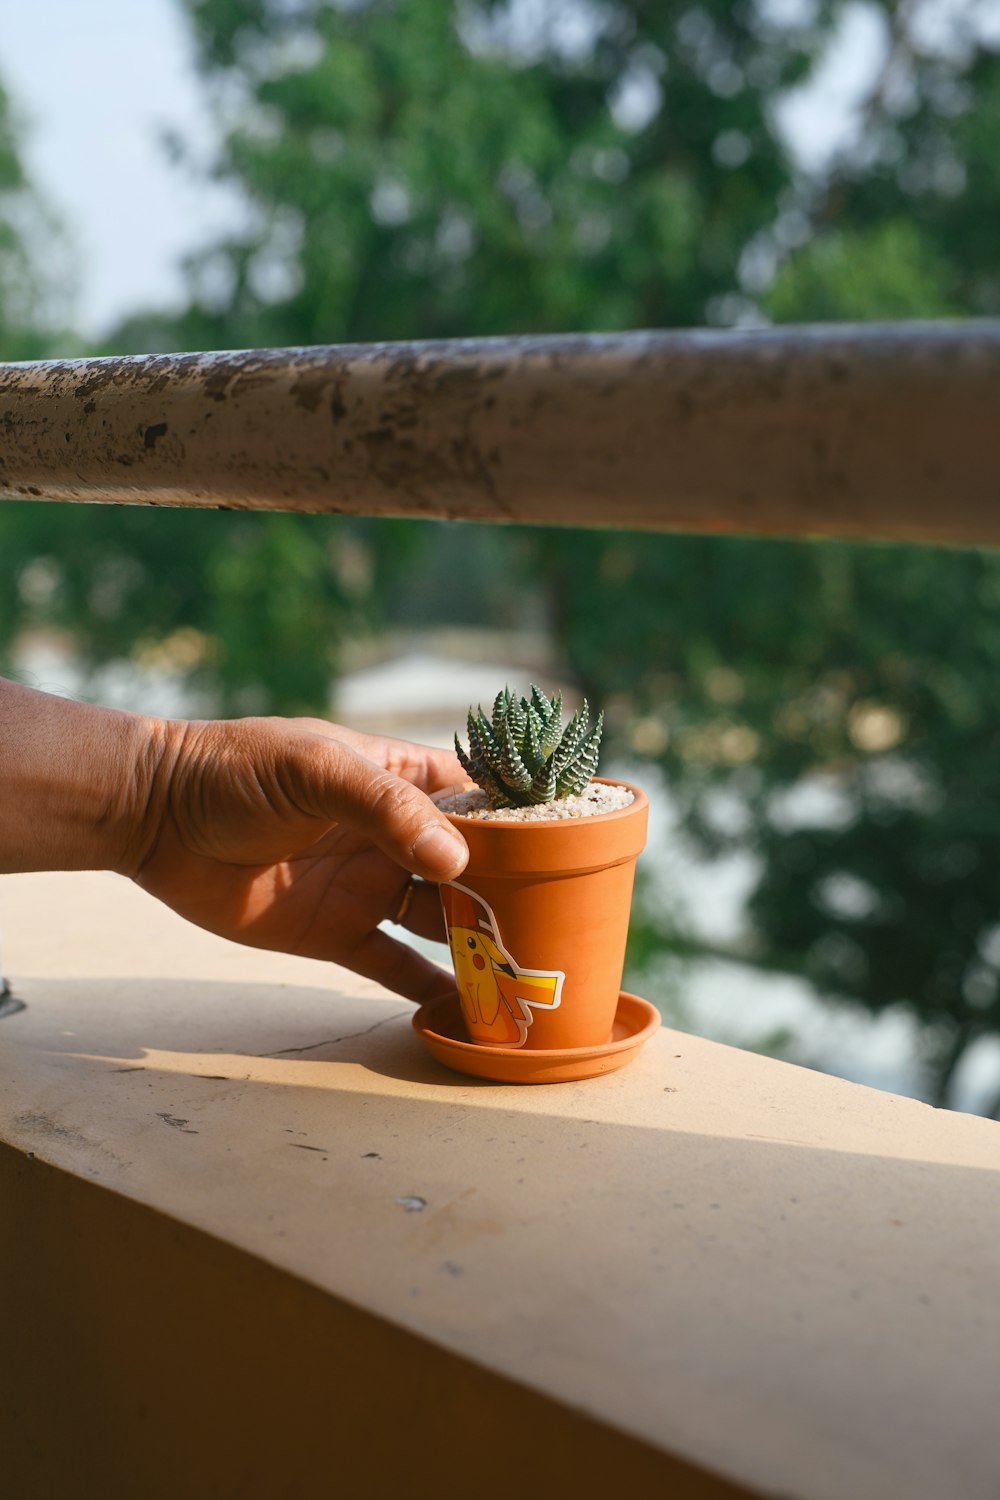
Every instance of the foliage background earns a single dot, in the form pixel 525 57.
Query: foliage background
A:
pixel 424 168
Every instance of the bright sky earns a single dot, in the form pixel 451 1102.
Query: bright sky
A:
pixel 97 81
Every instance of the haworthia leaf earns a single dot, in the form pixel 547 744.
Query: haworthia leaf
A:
pixel 552 733
pixel 544 786
pixel 532 751
pixel 579 772
pixel 466 763
pixel 573 738
pixel 517 720
pixel 498 794
pixel 544 707
pixel 476 746
pixel 487 735
pixel 514 772
pixel 500 709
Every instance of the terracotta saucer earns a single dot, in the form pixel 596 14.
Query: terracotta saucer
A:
pixel 441 1027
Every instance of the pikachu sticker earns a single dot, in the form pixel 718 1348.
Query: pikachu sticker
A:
pixel 497 994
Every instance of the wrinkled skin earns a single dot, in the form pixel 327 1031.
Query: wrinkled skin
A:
pixel 299 835
pixel 292 834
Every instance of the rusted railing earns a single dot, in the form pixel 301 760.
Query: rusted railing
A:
pixel 871 431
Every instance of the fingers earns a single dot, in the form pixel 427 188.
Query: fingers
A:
pixel 424 917
pixel 336 782
pixel 398 967
pixel 426 766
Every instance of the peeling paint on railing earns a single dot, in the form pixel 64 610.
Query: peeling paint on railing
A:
pixel 868 431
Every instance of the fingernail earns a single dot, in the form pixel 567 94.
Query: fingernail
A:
pixel 440 851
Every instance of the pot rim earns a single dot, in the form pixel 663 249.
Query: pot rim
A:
pixel 639 800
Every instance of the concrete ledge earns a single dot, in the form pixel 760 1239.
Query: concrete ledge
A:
pixel 146 1358
pixel 238 1198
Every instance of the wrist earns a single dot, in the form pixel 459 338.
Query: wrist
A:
pixel 77 783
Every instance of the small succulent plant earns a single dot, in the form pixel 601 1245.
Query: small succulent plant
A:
pixel 525 755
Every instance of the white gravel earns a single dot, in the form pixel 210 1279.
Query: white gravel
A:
pixel 593 799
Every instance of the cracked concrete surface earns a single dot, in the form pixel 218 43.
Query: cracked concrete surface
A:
pixel 347 1036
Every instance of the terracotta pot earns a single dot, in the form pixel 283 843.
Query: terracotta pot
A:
pixel 538 922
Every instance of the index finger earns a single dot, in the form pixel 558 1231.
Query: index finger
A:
pixel 428 767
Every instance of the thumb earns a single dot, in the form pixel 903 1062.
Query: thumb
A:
pixel 393 813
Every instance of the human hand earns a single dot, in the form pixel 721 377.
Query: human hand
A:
pixel 299 835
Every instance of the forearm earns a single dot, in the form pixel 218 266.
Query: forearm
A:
pixel 75 781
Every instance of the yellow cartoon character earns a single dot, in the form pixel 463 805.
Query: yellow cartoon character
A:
pixel 496 994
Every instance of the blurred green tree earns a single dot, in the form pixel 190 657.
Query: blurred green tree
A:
pixel 417 170
pixel 781 671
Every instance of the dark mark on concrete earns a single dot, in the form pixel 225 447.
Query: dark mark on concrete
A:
pixel 42 1125
pixel 297 1146
pixel 176 1122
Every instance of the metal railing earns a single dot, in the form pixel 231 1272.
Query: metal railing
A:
pixel 872 431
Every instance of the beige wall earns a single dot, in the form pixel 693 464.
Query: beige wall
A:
pixel 145 1360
